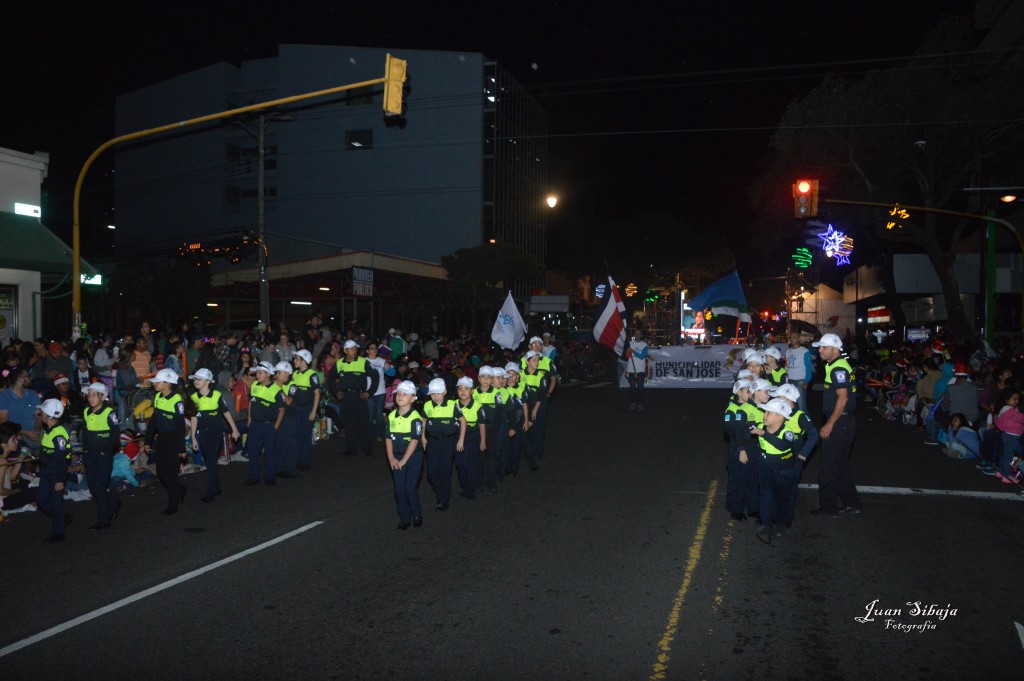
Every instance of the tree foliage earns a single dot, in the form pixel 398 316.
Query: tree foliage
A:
pixel 489 264
pixel 914 134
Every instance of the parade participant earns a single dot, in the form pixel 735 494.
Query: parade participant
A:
pixel 775 370
pixel 207 427
pixel 806 437
pixel 756 365
pixel 352 381
pixel 759 388
pixel 167 428
pixel 636 371
pixel 499 421
pixel 285 446
pixel 266 412
pixel 101 439
pixel 444 425
pixel 545 364
pixel 403 443
pixel 778 470
pixel 306 403
pixel 799 367
pixel 511 445
pixel 741 464
pixel 835 476
pixel 537 393
pixel 54 451
pixel 488 398
pixel 472 441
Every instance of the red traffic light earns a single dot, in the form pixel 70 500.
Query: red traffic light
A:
pixel 805 198
pixel 803 186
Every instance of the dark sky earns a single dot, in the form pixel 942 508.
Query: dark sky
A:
pixel 652 105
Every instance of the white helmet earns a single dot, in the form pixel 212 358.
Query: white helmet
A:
pixel 436 387
pixel 166 376
pixel 284 366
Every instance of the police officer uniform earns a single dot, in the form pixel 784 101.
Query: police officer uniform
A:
pixel 166 428
pixel 401 430
pixel 101 438
pixel 537 403
pixel 210 410
pixel 806 437
pixel 835 475
pixel 54 452
pixel 266 409
pixel 778 473
pixel 466 460
pixel 741 489
pixel 285 444
pixel 350 378
pixel 307 388
pixel 510 446
pixel 489 410
pixel 444 424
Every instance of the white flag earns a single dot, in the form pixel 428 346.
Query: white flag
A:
pixel 509 328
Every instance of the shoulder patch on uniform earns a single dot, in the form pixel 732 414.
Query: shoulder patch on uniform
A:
pixel 788 435
pixel 728 416
pixel 292 390
pixel 180 407
pixel 840 376
pixel 113 418
pixel 60 441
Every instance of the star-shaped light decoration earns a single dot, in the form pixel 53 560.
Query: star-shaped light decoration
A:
pixel 836 245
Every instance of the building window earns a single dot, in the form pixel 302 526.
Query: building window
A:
pixel 358 139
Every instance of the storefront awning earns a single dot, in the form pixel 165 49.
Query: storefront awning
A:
pixel 27 244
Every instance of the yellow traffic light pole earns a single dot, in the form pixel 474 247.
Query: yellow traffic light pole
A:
pixel 393 67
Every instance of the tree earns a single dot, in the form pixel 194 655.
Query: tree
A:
pixel 488 265
pixel 914 134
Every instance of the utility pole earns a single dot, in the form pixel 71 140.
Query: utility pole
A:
pixel 261 223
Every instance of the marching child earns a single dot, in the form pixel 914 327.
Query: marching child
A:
pixel 403 442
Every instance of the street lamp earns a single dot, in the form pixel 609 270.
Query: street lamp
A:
pixel 552 201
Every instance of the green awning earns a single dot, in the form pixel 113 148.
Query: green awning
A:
pixel 27 244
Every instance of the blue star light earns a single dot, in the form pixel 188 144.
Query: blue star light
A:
pixel 836 245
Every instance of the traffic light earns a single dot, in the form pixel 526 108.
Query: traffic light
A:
pixel 805 198
pixel 394 83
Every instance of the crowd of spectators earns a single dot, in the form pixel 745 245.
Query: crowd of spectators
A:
pixel 963 399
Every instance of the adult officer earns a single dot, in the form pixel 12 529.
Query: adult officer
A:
pixel 445 424
pixel 835 477
pixel 207 427
pixel 305 403
pixel 166 428
pixel 101 437
pixel 54 450
pixel 349 384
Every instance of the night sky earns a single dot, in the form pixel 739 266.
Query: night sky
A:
pixel 652 105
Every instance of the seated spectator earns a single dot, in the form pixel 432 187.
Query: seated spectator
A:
pixel 18 404
pixel 1010 425
pixel 73 402
pixel 962 441
pixel 962 396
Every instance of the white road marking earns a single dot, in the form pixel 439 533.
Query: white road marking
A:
pixel 53 631
pixel 918 491
pixel 1020 632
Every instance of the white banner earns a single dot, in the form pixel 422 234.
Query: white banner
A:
pixel 691 366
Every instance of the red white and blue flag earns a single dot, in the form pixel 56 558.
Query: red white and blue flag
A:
pixel 610 327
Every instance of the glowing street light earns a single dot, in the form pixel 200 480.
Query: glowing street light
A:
pixel 552 201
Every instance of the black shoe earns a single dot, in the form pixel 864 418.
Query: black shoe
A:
pixel 116 510
pixel 100 526
pixel 756 515
pixel 850 510
pixel 441 507
pixel 286 475
pixel 821 511
pixel 738 516
pixel 207 499
pixel 170 511
pixel 402 526
pixel 54 538
pixel 417 522
pixel 250 482
pixel 270 483
pixel 764 534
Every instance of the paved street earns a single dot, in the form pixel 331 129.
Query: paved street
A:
pixel 616 561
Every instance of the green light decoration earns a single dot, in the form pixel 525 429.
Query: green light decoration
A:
pixel 802 258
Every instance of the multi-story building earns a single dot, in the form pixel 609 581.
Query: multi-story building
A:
pixel 466 166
